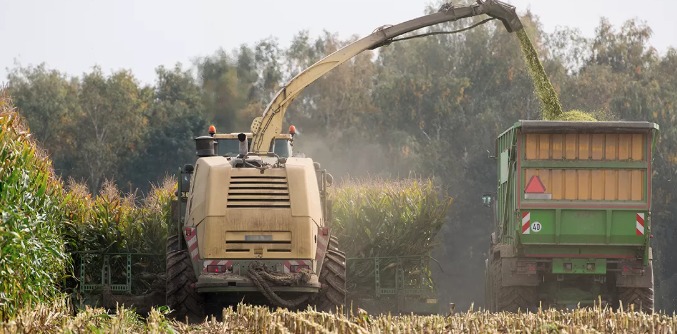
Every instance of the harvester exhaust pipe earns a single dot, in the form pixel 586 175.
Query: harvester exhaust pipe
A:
pixel 244 145
pixel 204 146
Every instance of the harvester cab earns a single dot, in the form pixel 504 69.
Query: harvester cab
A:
pixel 230 145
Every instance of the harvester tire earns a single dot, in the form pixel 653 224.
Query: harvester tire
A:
pixel 182 298
pixel 641 298
pixel 173 243
pixel 332 279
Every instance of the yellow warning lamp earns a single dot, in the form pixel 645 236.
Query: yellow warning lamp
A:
pixel 212 130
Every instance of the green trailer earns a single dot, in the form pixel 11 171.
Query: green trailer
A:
pixel 572 216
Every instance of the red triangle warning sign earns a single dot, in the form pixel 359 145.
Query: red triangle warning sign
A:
pixel 535 186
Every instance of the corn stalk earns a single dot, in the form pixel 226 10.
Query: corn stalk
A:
pixel 387 218
pixel 32 257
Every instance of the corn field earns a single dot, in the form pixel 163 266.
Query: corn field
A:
pixel 44 222
pixel 32 256
pixel 388 218
pixel 57 318
pixel 46 226
pixel 117 223
pixel 395 221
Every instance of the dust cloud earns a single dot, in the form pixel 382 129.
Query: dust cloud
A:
pixel 462 243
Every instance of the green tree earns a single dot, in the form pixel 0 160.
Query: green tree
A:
pixel 268 65
pixel 231 93
pixel 219 83
pixel 48 101
pixel 110 124
pixel 173 119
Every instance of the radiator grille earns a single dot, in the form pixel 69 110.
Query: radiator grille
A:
pixel 258 192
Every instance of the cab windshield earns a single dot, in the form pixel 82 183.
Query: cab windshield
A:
pixel 282 148
pixel 228 147
pixel 231 147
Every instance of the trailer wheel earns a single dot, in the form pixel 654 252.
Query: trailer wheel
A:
pixel 641 298
pixel 511 298
pixel 182 299
pixel 332 278
pixel 516 298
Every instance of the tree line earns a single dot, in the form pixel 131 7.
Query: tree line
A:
pixel 430 106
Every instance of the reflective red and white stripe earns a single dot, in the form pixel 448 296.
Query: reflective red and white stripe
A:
pixel 227 263
pixel 526 222
pixel 639 223
pixel 191 241
pixel 289 263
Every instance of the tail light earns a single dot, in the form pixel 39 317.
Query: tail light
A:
pixel 216 269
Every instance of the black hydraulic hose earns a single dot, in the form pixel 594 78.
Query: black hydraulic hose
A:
pixel 443 32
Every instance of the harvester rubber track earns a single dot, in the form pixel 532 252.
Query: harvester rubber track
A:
pixel 332 278
pixel 185 302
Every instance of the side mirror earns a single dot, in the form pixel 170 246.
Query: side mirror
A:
pixel 487 199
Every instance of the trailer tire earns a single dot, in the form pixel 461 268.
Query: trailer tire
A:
pixel 516 298
pixel 182 298
pixel 511 298
pixel 332 279
pixel 641 298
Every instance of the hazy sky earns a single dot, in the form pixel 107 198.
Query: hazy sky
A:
pixel 74 35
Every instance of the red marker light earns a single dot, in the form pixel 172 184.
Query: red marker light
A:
pixel 292 130
pixel 212 130
pixel 216 269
